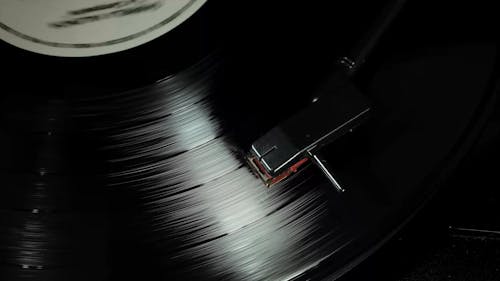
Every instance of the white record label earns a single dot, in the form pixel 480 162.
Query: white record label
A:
pixel 78 28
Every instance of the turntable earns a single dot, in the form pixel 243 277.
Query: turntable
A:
pixel 209 140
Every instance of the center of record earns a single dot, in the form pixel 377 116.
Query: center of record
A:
pixel 89 27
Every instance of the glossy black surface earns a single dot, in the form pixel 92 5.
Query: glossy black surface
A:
pixel 150 183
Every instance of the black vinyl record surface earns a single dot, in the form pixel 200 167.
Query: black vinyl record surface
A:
pixel 131 165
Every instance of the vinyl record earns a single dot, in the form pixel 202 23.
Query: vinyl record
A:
pixel 132 166
pixel 150 183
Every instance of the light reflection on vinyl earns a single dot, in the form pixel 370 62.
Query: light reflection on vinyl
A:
pixel 198 211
